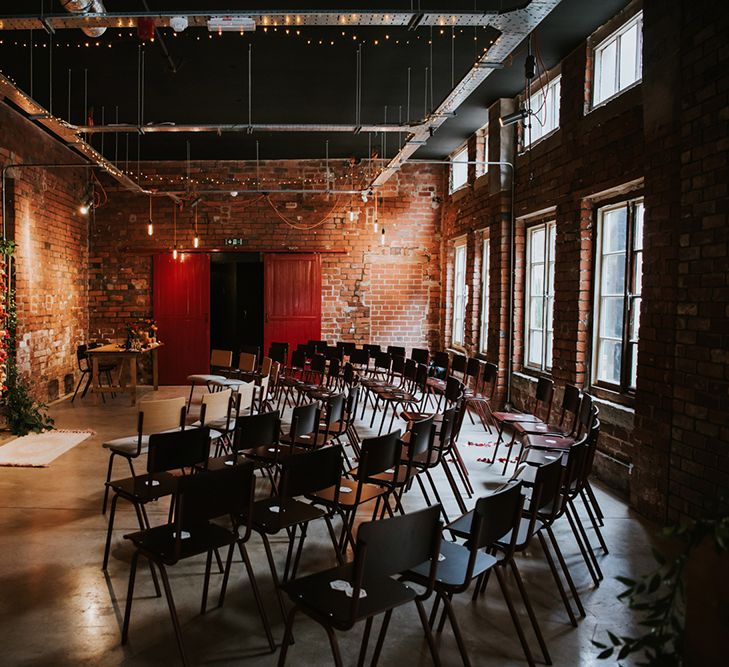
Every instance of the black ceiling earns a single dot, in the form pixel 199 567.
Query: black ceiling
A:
pixel 296 78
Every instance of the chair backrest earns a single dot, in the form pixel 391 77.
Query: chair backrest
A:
pixel 372 349
pixel 162 414
pixel 81 358
pixel 246 391
pixel 273 375
pixel 441 360
pixel 586 416
pixel 346 347
pixel 217 404
pixel 333 352
pixel 211 494
pixel 317 346
pixel 249 349
pixel 545 502
pixel 279 352
pixel 422 433
pixel 304 421
pixel 247 362
pixel 359 357
pixel 447 425
pixel 420 355
pixel 410 369
pixel 383 361
pixel 489 379
pixel 311 472
pixel 221 358
pixel 390 546
pixel 334 409
pixel 398 365
pixel 257 430
pixel 576 462
pixel 570 405
pixel 459 363
pixel 177 450
pixel 334 366
pixel 396 350
pixel 352 401
pixel 453 390
pixel 348 376
pixel 495 515
pixel 379 454
pixel 298 359
pixel 421 376
pixel 318 363
pixel 543 398
pixel 266 365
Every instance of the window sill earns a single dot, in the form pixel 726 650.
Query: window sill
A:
pixel 614 96
pixel 551 133
pixel 462 192
pixel 612 396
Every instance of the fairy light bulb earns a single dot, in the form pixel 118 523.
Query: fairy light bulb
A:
pixel 382 237
pixel 196 242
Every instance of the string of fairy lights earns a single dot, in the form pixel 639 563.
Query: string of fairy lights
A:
pixel 389 37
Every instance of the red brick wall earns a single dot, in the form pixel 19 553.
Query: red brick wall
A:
pixel 387 294
pixel 51 259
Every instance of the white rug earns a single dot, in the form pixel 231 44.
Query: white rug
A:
pixel 37 450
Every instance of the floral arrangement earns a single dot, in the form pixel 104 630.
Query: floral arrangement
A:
pixel 141 333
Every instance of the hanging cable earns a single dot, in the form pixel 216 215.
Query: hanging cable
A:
pixel 297 226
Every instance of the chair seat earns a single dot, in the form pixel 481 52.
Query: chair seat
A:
pixel 348 499
pixel 221 425
pixel 549 441
pixel 274 514
pixel 453 564
pixel 160 542
pixel 436 384
pixel 145 488
pixel 205 377
pixel 270 453
pixel 539 428
pixel 509 417
pixel 127 445
pixel 314 592
pixel 522 534
pixel 227 383
pixel 397 396
pixel 538 457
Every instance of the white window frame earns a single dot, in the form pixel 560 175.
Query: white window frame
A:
pixel 482 151
pixel 459 170
pixel 544 119
pixel 632 295
pixel 546 294
pixel 485 290
pixel 460 292
pixel 599 54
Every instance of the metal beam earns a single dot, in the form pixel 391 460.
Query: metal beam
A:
pixel 156 128
pixel 514 27
pixel 262 17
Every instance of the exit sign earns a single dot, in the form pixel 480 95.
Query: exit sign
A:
pixel 234 241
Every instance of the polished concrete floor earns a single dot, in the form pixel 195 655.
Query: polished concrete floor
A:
pixel 57 607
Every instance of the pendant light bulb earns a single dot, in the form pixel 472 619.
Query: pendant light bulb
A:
pixel 83 209
pixel 150 228
pixel 196 242
pixel 174 253
pixel 351 215
pixel 377 226
pixel 382 237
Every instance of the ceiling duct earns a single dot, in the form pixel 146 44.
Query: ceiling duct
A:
pixel 86 7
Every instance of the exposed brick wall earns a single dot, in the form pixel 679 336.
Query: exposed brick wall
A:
pixel 387 294
pixel 51 259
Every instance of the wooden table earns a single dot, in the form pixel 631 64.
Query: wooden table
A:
pixel 116 354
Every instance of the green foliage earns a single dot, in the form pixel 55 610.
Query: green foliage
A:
pixel 23 413
pixel 659 598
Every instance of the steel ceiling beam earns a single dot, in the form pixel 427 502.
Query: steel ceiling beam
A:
pixel 263 18
pixel 158 128
pixel 514 26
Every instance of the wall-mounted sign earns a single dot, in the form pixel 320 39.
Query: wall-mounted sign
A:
pixel 234 241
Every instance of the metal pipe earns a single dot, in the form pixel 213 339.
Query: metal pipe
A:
pixel 238 127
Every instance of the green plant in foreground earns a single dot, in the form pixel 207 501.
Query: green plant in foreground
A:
pixel 659 598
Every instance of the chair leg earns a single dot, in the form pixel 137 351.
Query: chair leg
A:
pixel 173 614
pixel 437 496
pixel 557 579
pixel 364 642
pixel 226 575
pixel 566 572
pixel 78 385
pixel 594 522
pixel 456 630
pixel 108 479
pixel 189 400
pixel 583 551
pixel 257 596
pixel 109 529
pixel 335 646
pixel 333 538
pixel 454 487
pixel 274 576
pixel 428 633
pixel 514 617
pixel 594 502
pixel 530 612
pixel 381 637
pixel 206 581
pixel 585 539
pixel 130 597
pixel 86 386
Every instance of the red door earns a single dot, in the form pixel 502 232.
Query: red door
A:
pixel 292 304
pixel 181 300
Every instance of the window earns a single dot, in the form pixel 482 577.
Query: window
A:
pixel 459 169
pixel 539 305
pixel 544 105
pixel 618 287
pixel 482 150
pixel 619 60
pixel 459 293
pixel 484 334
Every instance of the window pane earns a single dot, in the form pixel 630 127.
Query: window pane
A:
pixel 536 305
pixel 535 348
pixel 536 242
pixel 608 366
pixel 459 294
pixel 606 74
pixel 485 296
pixel 613 275
pixel 550 313
pixel 635 320
pixel 614 228
pixel 611 317
pixel 536 282
pixel 549 350
pixel 628 57
pixel 638 277
pixel 459 169
pixel 633 365
pixel 638 234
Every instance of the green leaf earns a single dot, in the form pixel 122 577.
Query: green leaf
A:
pixel 598 644
pixel 626 581
pixel 625 652
pixel 613 638
pixel 605 654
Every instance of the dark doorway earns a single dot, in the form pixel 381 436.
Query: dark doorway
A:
pixel 236 301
